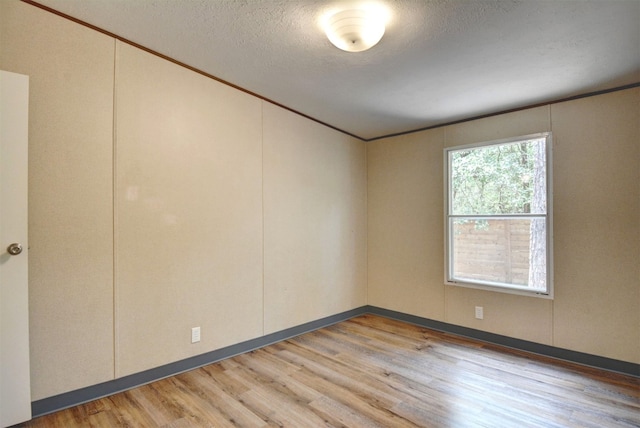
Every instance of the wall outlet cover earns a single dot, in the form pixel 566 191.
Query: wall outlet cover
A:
pixel 195 334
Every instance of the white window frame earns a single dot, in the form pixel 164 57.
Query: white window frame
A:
pixel 485 285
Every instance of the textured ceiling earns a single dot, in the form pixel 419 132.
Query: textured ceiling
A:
pixel 439 61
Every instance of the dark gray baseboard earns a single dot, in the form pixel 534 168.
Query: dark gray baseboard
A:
pixel 90 393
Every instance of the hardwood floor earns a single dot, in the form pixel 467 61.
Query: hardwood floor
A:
pixel 372 372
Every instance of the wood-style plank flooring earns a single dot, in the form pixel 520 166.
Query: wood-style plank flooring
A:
pixel 372 372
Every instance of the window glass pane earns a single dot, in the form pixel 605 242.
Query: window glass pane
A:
pixel 507 252
pixel 499 179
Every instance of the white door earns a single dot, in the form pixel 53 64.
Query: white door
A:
pixel 15 389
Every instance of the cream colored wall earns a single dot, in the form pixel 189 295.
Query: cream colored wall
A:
pixel 405 247
pixel 70 194
pixel 596 184
pixel 179 159
pixel 188 212
pixel 597 225
pixel 314 220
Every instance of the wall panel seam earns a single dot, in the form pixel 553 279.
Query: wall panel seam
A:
pixel 263 220
pixel 116 329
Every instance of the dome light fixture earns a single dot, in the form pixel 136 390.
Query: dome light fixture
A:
pixel 356 29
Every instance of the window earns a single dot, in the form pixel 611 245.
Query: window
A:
pixel 498 222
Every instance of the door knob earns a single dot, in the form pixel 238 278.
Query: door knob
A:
pixel 14 249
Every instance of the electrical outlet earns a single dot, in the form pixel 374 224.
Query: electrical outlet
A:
pixel 195 334
pixel 479 312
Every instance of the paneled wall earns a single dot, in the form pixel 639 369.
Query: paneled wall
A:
pixel 162 200
pixel 405 239
pixel 314 220
pixel 596 186
pixel 188 212
pixel 70 72
pixel 597 225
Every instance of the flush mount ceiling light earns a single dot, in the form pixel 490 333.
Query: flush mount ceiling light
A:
pixel 356 29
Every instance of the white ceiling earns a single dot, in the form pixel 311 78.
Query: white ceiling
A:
pixel 439 61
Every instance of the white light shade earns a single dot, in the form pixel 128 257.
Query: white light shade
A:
pixel 355 30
